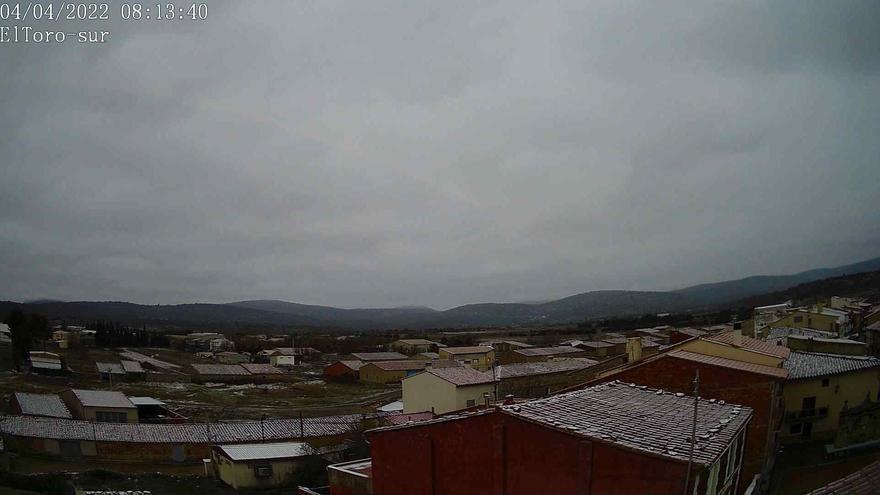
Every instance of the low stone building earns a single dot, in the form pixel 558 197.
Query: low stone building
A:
pixel 102 406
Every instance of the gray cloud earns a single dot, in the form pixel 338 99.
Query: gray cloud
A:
pixel 391 153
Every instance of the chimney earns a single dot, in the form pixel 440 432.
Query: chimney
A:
pixel 738 337
pixel 633 349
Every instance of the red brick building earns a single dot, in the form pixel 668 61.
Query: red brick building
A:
pixel 343 371
pixel 753 385
pixel 611 438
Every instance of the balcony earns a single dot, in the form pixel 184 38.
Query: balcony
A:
pixel 806 414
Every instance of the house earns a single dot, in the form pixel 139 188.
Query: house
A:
pixel 826 345
pixel 537 354
pixel 504 348
pixel 229 357
pixel 738 347
pixel 45 405
pixel 607 439
pixel 862 482
pixel 262 369
pixel 539 379
pixel 480 357
pixel 133 370
pixel 259 465
pixel 45 363
pixel 102 406
pixel 207 341
pixel 762 316
pixel 228 373
pixel 351 478
pixel 109 371
pixel 343 371
pixel 447 389
pixel 152 410
pixel 394 371
pixel 738 382
pixel 659 334
pixel 378 356
pixel 284 357
pixel 819 318
pixel 414 346
pixel 618 343
pixel 820 386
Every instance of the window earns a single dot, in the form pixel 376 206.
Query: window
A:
pixel 795 428
pixel 824 382
pixel 263 471
pixel 471 403
pixel 798 319
pixel 110 417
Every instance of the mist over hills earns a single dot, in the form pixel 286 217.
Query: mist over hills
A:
pixel 578 307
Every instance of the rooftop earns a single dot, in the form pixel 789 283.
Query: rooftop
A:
pixel 474 349
pixel 549 351
pixel 146 401
pixel 261 368
pixel 219 369
pixel 729 363
pixel 417 341
pixel 863 482
pixel 530 369
pixel 378 356
pixel 782 332
pixel 462 376
pixel 750 344
pixel 639 418
pixel 802 365
pixel 102 398
pixel 49 405
pixel 405 365
pixel 353 365
pixel 259 451
pixel 110 368
pixel 132 367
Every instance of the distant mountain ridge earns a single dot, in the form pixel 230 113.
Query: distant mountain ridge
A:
pixel 593 304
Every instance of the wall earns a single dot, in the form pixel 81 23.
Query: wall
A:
pixel 729 352
pixel 370 373
pixel 759 392
pixel 474 393
pixel 89 413
pixel 848 388
pixel 826 346
pixel 807 320
pixel 484 360
pixel 423 391
pixel 495 453
pixel 241 475
pixel 340 372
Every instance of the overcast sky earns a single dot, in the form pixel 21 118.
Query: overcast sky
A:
pixel 368 153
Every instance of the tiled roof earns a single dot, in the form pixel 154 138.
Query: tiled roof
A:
pixel 776 333
pixel 865 481
pixel 405 365
pixel 462 376
pixel 693 332
pixel 640 418
pixel 378 356
pixel 430 355
pixel 352 365
pixel 261 368
pixel 751 344
pixel 245 431
pixel 259 451
pixel 132 367
pixel 802 365
pixel 219 369
pixel 110 368
pixel 729 363
pixel 136 356
pixel 474 349
pixel 49 405
pixel 529 369
pixel 102 398
pixel 549 351
pixel 417 341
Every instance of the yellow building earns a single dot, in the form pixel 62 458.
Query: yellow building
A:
pixel 102 406
pixel 828 320
pixel 447 389
pixel 480 357
pixel 820 386
pixel 738 347
pixel 414 346
pixel 259 465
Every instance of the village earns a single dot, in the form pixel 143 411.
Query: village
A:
pixel 788 401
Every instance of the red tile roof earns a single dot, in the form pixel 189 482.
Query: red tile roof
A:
pixel 751 344
pixel 729 363
pixel 865 481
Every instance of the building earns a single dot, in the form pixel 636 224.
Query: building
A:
pixel 738 347
pixel 45 363
pixel 863 482
pixel 818 318
pixel 780 335
pixel 343 371
pixel 7 362
pixel 756 386
pixel 262 369
pixel 45 405
pixel 230 357
pixel 207 341
pixel 532 380
pixel 350 478
pixel 447 389
pixel 677 335
pixel 828 346
pixel 659 334
pixel 133 370
pixel 538 354
pixel 414 346
pixel 820 386
pixel 394 371
pixel 152 410
pixel 102 406
pixel 480 357
pixel 228 373
pixel 762 316
pixel 378 356
pixel 285 357
pixel 611 438
pixel 504 348
pixel 259 465
pixel 109 371
pixel 872 338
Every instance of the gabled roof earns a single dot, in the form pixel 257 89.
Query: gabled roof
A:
pixel 542 368
pixel 751 344
pixel 550 351
pixel 405 365
pixel 803 365
pixel 378 356
pixel 462 376
pixel 863 482
pixel 474 349
pixel 639 418
pixel 219 369
pixel 49 405
pixel 352 365
pixel 102 398
pixel 729 363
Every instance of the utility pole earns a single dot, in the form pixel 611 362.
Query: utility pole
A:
pixel 687 475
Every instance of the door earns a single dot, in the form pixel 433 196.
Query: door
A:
pixel 807 430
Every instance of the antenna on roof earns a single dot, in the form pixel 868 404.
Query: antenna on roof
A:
pixel 687 475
